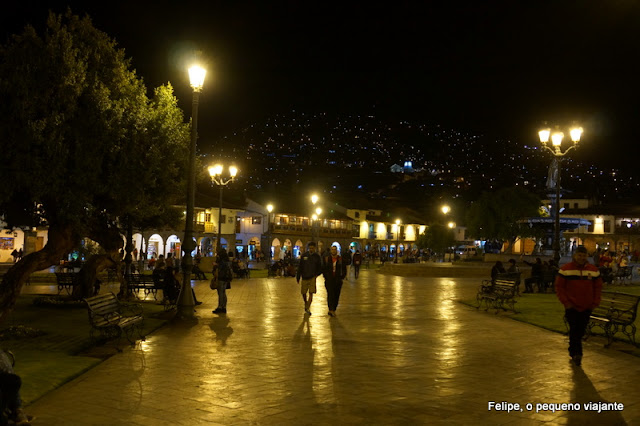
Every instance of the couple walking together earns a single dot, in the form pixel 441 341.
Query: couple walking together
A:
pixel 331 267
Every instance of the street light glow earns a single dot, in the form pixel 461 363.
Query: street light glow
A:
pixel 314 198
pixel 233 170
pixel 576 134
pixel 446 209
pixel 556 138
pixel 544 135
pixel 196 77
pixel 270 208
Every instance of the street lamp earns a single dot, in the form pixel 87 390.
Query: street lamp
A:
pixel 216 178
pixel 554 174
pixel 315 216
pixel 629 236
pixel 269 209
pixel 445 209
pixel 398 222
pixel 185 298
pixel 451 225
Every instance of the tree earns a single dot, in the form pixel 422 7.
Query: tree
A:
pixel 436 237
pixel 495 215
pixel 84 148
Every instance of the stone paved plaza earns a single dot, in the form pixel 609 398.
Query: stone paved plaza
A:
pixel 401 351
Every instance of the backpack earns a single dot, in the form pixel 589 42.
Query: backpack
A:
pixel 224 272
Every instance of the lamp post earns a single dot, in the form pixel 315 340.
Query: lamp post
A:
pixel 315 216
pixel 269 210
pixel 398 222
pixel 554 174
pixel 451 225
pixel 445 209
pixel 185 298
pixel 629 236
pixel 217 179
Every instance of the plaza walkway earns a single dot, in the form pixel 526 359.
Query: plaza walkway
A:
pixel 402 351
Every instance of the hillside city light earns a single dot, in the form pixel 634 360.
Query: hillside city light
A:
pixel 554 173
pixel 185 301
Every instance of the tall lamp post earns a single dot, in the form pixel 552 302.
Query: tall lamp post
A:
pixel 398 222
pixel 445 209
pixel 314 217
pixel 451 226
pixel 217 179
pixel 629 225
pixel 554 174
pixel 185 298
pixel 269 210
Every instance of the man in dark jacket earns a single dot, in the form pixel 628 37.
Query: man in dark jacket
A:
pixel 579 288
pixel 309 268
pixel 334 271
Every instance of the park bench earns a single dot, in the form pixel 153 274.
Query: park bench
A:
pixel 147 283
pixel 617 312
pixel 498 294
pixel 623 275
pixel 110 318
pixel 512 276
pixel 66 281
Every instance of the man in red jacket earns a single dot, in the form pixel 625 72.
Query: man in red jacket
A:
pixel 579 288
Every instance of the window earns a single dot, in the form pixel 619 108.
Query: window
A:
pixel 256 220
pixel 207 217
pixel 357 215
pixel 566 205
pixel 590 227
pixel 607 226
pixel 223 218
pixel 575 205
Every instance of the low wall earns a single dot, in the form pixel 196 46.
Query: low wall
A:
pixel 429 269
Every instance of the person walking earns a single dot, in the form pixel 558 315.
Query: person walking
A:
pixel 579 289
pixel 334 272
pixel 225 276
pixel 309 268
pixel 346 260
pixel 357 260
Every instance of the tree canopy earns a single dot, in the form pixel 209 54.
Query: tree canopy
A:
pixel 83 144
pixel 495 215
pixel 436 237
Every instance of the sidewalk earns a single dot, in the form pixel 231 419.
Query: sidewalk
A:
pixel 401 351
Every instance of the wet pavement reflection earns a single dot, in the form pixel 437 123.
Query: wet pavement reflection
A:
pixel 401 351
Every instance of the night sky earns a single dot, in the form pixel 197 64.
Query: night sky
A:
pixel 498 68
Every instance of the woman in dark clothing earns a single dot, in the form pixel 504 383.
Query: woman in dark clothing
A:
pixel 334 272
pixel 497 269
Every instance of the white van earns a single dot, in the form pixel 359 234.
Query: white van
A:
pixel 466 251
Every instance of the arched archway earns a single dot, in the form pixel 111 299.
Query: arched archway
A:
pixel 298 249
pixel 253 247
pixel 275 249
pixel 155 247
pixel 172 247
pixel 206 246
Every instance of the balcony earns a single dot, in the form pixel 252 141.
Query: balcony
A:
pixel 306 230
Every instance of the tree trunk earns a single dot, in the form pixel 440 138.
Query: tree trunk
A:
pixel 61 240
pixel 108 236
pixel 89 273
